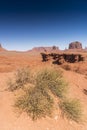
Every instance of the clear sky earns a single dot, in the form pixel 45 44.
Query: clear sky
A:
pixel 25 24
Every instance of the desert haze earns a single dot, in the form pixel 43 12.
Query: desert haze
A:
pixel 72 63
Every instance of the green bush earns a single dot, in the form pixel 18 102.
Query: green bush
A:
pixel 36 103
pixel 72 109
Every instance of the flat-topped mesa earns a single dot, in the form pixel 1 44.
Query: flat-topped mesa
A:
pixel 46 49
pixel 75 45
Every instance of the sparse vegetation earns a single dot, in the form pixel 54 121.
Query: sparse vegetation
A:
pixel 52 79
pixel 72 109
pixel 12 85
pixel 21 77
pixel 37 100
pixel 36 103
pixel 59 88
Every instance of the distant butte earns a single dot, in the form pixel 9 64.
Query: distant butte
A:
pixel 75 45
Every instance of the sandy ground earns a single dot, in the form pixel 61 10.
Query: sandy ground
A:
pixel 11 120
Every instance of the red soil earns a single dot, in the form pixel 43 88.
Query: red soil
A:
pixel 11 120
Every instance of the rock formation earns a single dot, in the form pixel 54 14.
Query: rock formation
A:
pixel 62 58
pixel 46 49
pixel 75 45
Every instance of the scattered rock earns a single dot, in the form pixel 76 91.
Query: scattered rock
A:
pixel 62 58
pixel 85 91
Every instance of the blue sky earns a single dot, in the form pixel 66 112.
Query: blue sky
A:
pixel 25 24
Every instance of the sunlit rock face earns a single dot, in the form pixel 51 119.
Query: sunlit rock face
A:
pixel 75 45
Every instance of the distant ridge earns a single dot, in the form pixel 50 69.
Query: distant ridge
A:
pixel 73 46
pixel 45 49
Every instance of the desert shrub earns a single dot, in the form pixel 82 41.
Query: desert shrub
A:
pixel 59 88
pixel 21 77
pixel 36 103
pixel 46 75
pixel 52 79
pixel 12 85
pixel 72 109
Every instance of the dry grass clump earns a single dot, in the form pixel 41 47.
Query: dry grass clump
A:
pixel 52 80
pixel 72 109
pixel 21 77
pixel 36 103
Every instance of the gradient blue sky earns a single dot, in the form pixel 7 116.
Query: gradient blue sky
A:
pixel 25 24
